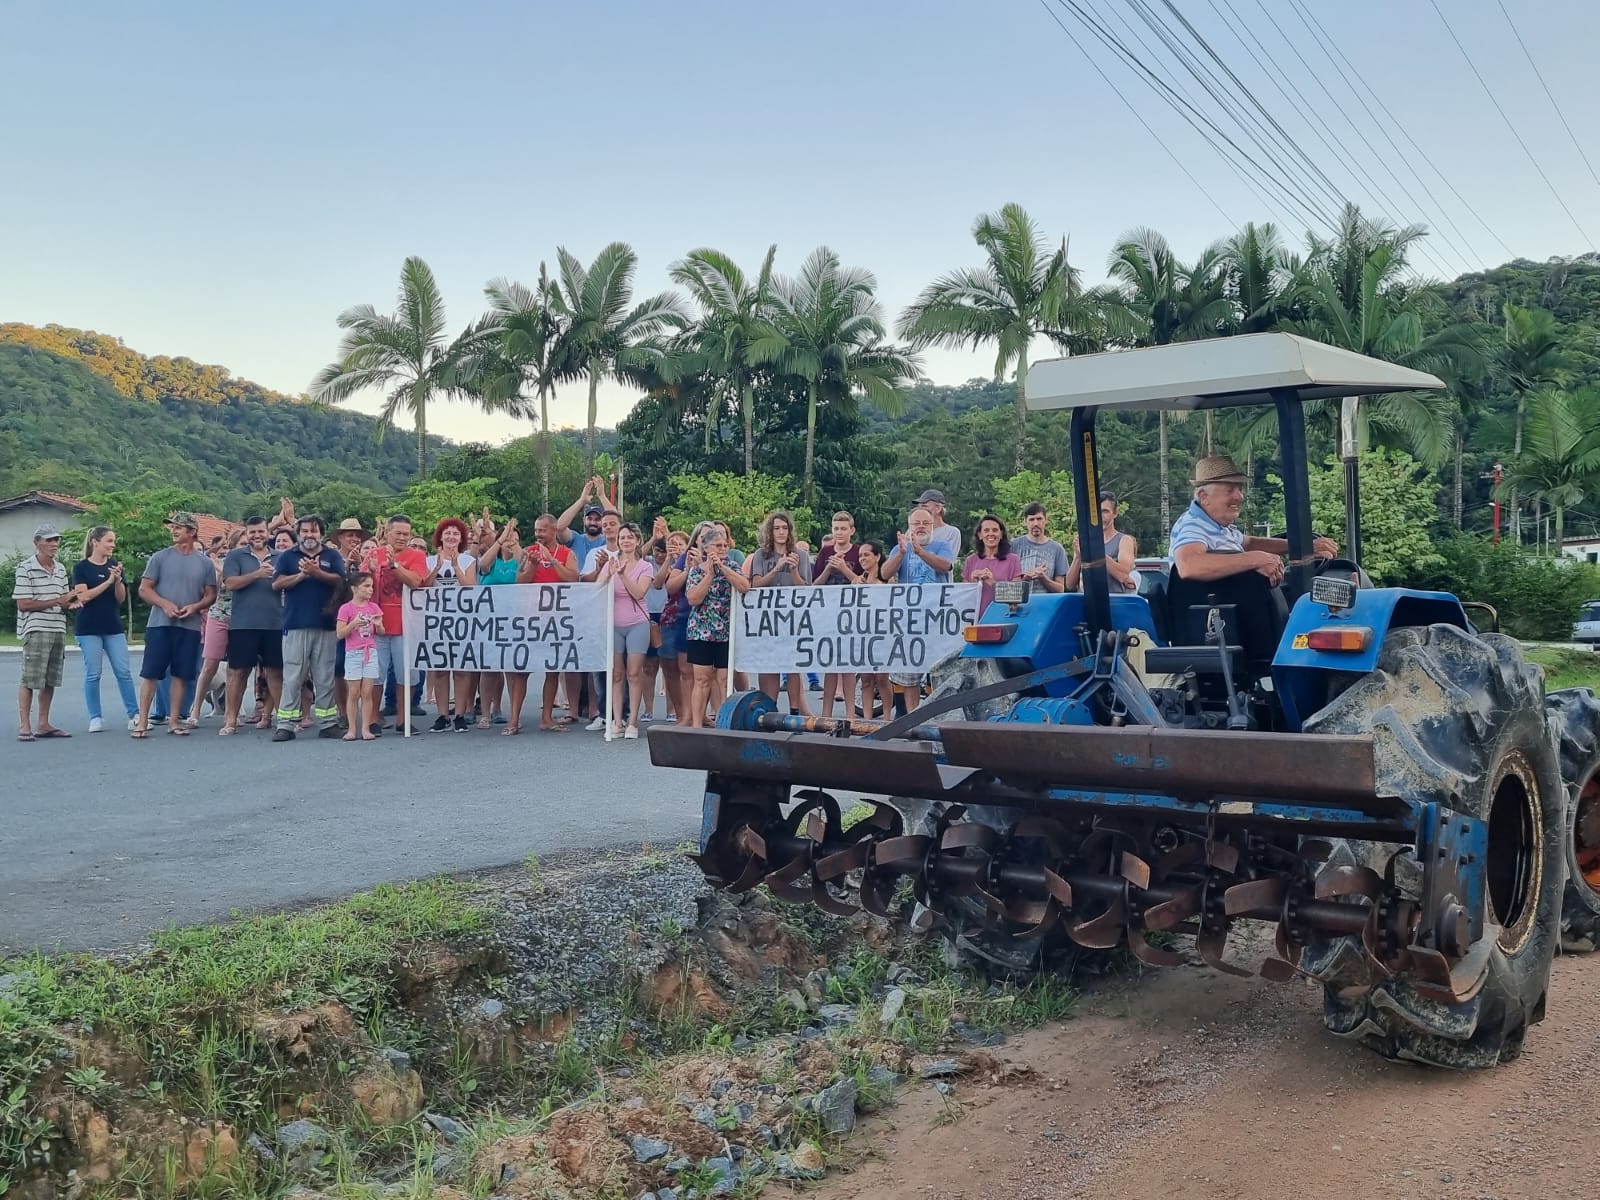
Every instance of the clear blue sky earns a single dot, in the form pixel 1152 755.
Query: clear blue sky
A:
pixel 220 180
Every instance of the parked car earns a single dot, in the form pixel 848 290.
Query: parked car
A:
pixel 1587 629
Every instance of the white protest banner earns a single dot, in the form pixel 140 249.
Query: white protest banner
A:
pixel 522 627
pixel 876 628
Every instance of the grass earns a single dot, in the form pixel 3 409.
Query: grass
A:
pixel 185 1003
pixel 1566 668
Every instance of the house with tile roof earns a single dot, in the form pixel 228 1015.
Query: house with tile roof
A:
pixel 21 515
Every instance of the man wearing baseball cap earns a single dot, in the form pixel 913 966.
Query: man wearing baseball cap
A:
pixel 43 597
pixel 1207 542
pixel 944 544
pixel 592 501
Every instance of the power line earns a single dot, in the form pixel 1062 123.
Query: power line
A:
pixel 1282 133
pixel 1487 92
pixel 1196 119
pixel 1329 41
pixel 1285 84
pixel 1305 188
pixel 1128 104
pixel 1467 256
pixel 1340 108
pixel 1271 205
pixel 1540 75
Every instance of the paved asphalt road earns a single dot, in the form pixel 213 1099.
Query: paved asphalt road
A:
pixel 104 839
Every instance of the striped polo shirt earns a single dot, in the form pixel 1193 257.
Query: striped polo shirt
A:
pixel 1196 526
pixel 37 582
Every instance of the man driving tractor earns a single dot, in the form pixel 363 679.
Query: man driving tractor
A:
pixel 1207 542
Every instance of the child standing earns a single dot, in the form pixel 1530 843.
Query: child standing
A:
pixel 360 622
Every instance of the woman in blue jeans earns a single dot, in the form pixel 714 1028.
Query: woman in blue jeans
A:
pixel 102 592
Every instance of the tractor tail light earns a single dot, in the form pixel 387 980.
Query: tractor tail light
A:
pixel 1342 637
pixel 988 634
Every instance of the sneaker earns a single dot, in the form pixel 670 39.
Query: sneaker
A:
pixel 646 718
pixel 388 710
pixel 440 725
pixel 95 725
pixel 416 711
pixel 462 724
pixel 330 731
pixel 499 718
pixel 631 734
pixel 133 722
pixel 283 735
pixel 375 729
pixel 598 725
pixel 813 683
pixel 208 708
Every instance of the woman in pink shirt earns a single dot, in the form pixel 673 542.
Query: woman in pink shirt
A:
pixel 992 562
pixel 631 576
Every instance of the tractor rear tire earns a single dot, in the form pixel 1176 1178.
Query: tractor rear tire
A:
pixel 1458 719
pixel 1575 716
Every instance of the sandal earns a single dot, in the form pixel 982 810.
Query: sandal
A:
pixel 140 734
pixel 510 729
pixel 351 736
pixel 177 731
pixel 25 736
pixel 227 730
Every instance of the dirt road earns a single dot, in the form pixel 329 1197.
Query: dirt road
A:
pixel 1193 1085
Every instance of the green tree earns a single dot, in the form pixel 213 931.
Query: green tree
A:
pixel 608 338
pixel 1530 358
pixel 1260 277
pixel 1025 290
pixel 1163 302
pixel 429 501
pixel 406 353
pixel 1398 504
pixel 743 501
pixel 1054 491
pixel 734 314
pixel 1560 461
pixel 827 329
pixel 1355 297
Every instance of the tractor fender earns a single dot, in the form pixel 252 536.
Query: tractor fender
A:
pixel 1308 679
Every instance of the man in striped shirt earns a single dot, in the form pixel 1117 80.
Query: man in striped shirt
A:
pixel 43 598
pixel 1207 542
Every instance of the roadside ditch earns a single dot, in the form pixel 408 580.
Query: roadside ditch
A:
pixel 591 1028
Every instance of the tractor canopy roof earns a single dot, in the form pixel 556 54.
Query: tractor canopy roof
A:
pixel 1216 373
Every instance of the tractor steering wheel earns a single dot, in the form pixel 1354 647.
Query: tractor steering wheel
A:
pixel 1346 567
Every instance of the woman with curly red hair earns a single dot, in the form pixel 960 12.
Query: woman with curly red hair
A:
pixel 451 564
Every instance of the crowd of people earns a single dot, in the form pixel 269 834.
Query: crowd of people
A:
pixel 306 621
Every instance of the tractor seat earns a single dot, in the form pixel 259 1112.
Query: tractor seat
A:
pixel 1260 612
pixel 1202 660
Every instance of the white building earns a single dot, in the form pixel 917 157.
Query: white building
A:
pixel 1584 549
pixel 21 515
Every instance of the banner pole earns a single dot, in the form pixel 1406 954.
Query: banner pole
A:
pixel 611 650
pixel 736 614
pixel 405 662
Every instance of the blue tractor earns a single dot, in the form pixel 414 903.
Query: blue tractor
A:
pixel 1380 779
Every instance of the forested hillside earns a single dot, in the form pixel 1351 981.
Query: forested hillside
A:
pixel 81 412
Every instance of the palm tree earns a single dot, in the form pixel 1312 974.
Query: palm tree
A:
pixel 406 353
pixel 1168 302
pixel 1261 277
pixel 1024 291
pixel 1561 458
pixel 1384 318
pixel 607 336
pixel 1531 359
pixel 734 314
pixel 522 346
pixel 827 329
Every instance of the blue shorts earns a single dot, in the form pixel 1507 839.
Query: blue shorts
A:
pixel 170 648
